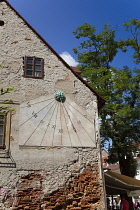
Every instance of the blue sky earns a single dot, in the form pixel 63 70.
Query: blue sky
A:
pixel 56 19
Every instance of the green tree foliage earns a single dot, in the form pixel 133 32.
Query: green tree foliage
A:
pixel 5 108
pixel 99 49
pixel 133 27
pixel 120 117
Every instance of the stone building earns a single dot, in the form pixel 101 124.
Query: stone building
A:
pixel 49 142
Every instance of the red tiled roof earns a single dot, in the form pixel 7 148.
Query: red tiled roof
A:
pixel 76 69
pixel 107 165
pixel 111 166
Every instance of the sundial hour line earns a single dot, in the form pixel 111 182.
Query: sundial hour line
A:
pixel 80 123
pixel 48 123
pixel 72 125
pixel 36 113
pixel 38 124
pixel 29 104
pixel 55 123
pixel 67 127
pixel 84 115
pixel 70 119
pixel 61 130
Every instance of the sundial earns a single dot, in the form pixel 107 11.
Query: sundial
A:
pixel 55 120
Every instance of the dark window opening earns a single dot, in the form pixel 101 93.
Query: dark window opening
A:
pixel 34 67
pixel 2 130
pixel 1 23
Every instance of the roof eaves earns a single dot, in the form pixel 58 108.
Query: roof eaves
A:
pixel 124 179
pixel 101 100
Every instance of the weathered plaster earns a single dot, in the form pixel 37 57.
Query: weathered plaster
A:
pixel 54 164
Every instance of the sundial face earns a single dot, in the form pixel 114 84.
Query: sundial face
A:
pixel 55 120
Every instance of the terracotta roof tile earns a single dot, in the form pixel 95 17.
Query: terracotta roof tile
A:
pixel 76 69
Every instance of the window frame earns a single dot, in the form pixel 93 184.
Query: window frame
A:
pixel 6 131
pixel 2 145
pixel 33 65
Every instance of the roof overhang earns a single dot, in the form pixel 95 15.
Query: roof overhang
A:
pixel 116 183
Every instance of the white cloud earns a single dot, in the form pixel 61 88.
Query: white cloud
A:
pixel 69 59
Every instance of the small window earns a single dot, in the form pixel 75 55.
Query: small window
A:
pixel 34 67
pixel 5 122
pixel 2 130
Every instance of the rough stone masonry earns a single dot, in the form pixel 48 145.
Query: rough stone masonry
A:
pixel 46 176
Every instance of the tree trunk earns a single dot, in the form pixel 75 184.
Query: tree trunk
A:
pixel 127 165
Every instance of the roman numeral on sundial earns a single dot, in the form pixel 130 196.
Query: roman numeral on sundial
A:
pixel 34 114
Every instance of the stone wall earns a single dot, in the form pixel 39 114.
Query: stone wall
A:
pixel 50 177
pixel 15 44
pixel 70 179
pixel 81 191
